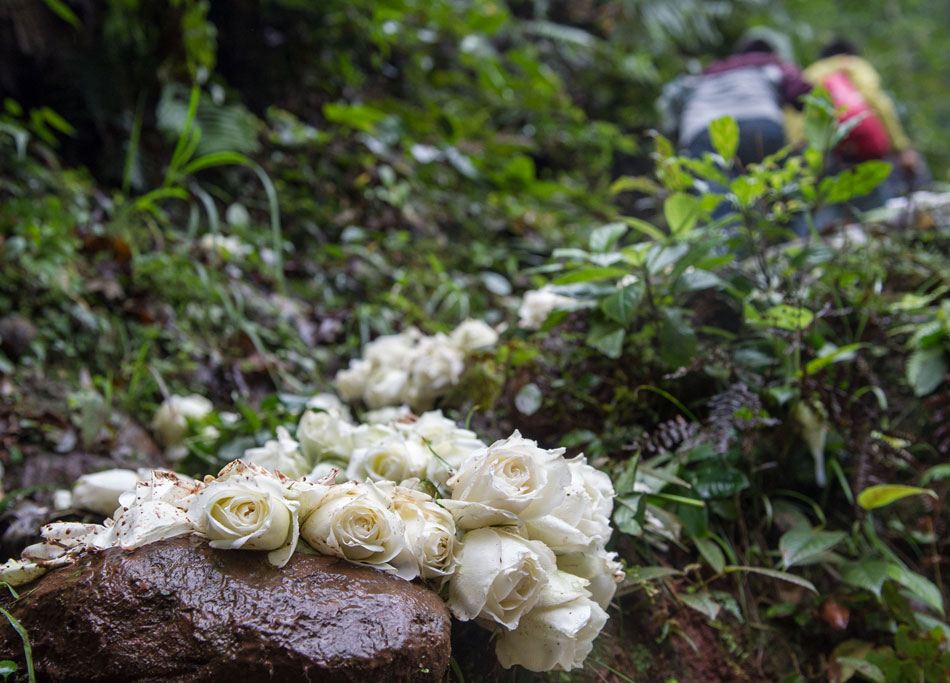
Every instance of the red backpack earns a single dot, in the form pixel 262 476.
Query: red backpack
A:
pixel 868 139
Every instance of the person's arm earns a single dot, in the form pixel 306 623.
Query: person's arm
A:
pixel 794 86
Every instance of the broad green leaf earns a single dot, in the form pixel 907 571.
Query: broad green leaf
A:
pixel 216 159
pixel 604 237
pixel 783 316
pixel 711 553
pixel 775 574
pixel 681 211
pixel 854 182
pixel 713 479
pixel 936 472
pixel 591 275
pixel 747 189
pixel 866 574
pixel 626 183
pixel 62 10
pixel 885 494
pixel 359 116
pixel 696 279
pixel 660 257
pixel 647 229
pixel 840 354
pixel 798 546
pixel 724 134
pixel 608 339
pixel 870 671
pixel 677 339
pixel 628 514
pixel 528 400
pixel 921 587
pixel 925 370
pixel 702 602
pixel 622 304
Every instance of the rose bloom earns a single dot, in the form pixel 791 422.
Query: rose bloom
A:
pixel 499 576
pixel 600 568
pixel 582 520
pixel 558 634
pixel 351 381
pixel 430 532
pixel 435 369
pixel 392 459
pixel 511 482
pixel 357 522
pixel 170 423
pixel 538 304
pixel 473 335
pixel 386 387
pixel 324 434
pixel 282 455
pixel 246 507
pixel 100 491
pixel 392 350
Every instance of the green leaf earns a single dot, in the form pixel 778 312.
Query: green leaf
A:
pixel 866 574
pixel 840 354
pixel 63 12
pixel 724 134
pixel 622 304
pixel 607 338
pixel 854 182
pixel 870 671
pixel 711 553
pixel 714 479
pixel 528 400
pixel 628 515
pixel 647 229
pixel 798 546
pixel 591 275
pixel 782 316
pixel 681 211
pixel 216 159
pixel 921 587
pixel 925 370
pixel 702 602
pixel 936 472
pixel 359 116
pixel 604 237
pixel 775 574
pixel 885 494
pixel 747 189
pixel 677 339
pixel 641 574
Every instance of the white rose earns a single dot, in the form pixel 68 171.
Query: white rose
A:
pixel 430 532
pixel 331 404
pixel 498 576
pixel 538 304
pixel 386 387
pixel 324 435
pixel 435 369
pixel 247 508
pixel 324 468
pixel 452 450
pixel 386 414
pixel 282 455
pixel 365 435
pixel 558 634
pixel 473 335
pixel 600 568
pixel 392 459
pixel 357 522
pixel 99 492
pixel 351 382
pixel 170 423
pixel 582 520
pixel 512 481
pixel 392 350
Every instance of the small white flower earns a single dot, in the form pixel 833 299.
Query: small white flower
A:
pixel 170 423
pixel 386 415
pixel 228 246
pixel 499 576
pixel 351 381
pixel 538 304
pixel 430 532
pixel 435 369
pixel 386 387
pixel 558 634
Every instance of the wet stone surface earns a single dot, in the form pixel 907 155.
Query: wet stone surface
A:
pixel 179 610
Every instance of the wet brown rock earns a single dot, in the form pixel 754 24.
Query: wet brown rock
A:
pixel 178 610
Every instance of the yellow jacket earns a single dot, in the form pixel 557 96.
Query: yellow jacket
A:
pixel 867 82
